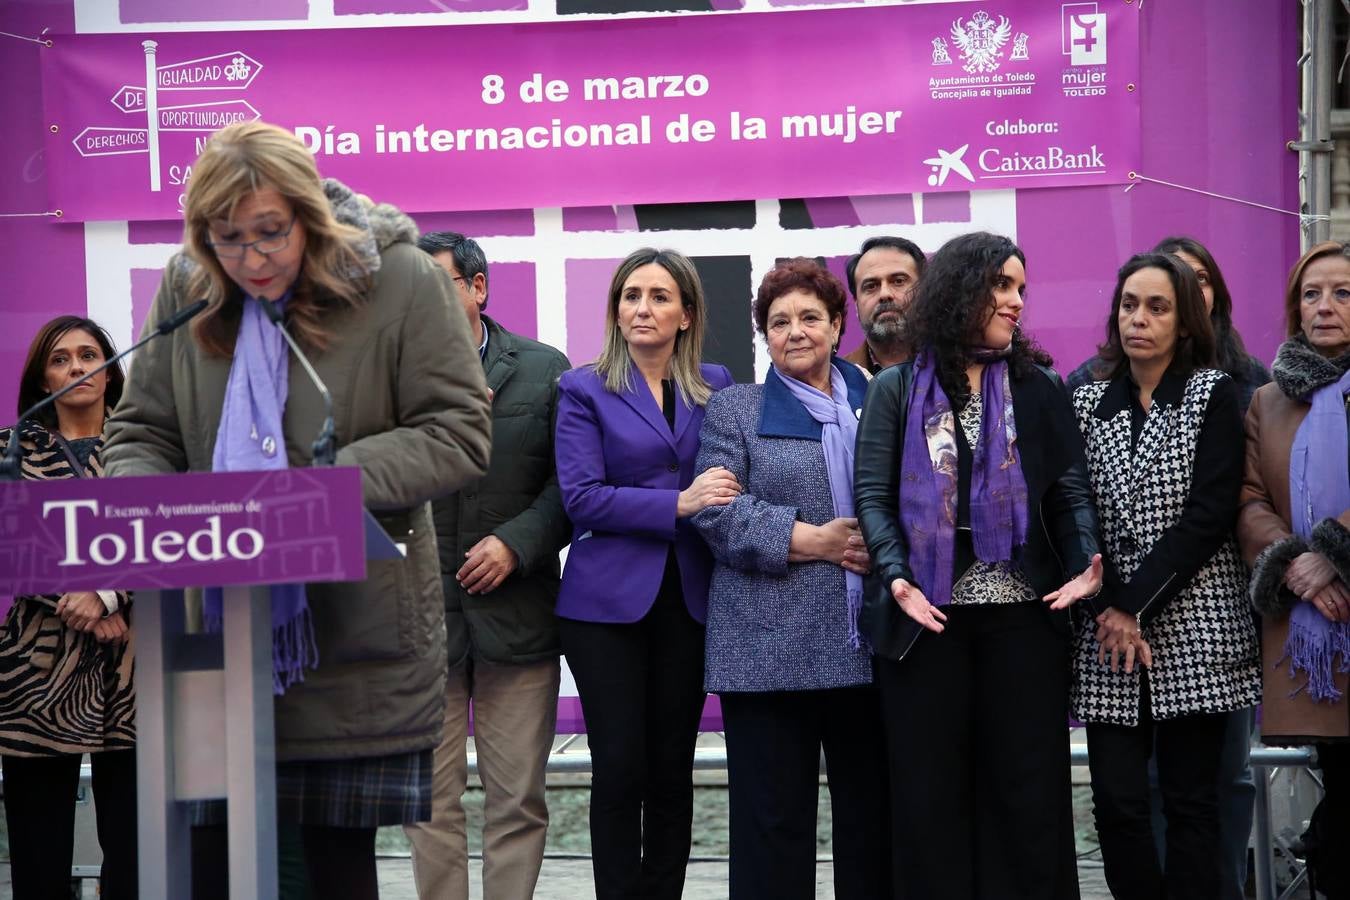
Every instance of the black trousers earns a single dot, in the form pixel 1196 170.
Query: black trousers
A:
pixel 774 741
pixel 641 689
pixel 1333 820
pixel 1188 750
pixel 40 814
pixel 338 862
pixel 977 736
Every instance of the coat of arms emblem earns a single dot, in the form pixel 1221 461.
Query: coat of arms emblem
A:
pixel 981 41
pixel 940 55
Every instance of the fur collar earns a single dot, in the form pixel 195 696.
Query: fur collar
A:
pixel 381 224
pixel 1299 369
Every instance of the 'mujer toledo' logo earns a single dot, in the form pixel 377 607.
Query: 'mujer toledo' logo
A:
pixel 109 548
pixel 1083 34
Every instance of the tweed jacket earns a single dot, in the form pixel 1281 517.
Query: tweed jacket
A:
pixel 773 625
pixel 518 501
pixel 411 411
pixel 61 691
pixel 1168 505
pixel 1288 715
pixel 621 470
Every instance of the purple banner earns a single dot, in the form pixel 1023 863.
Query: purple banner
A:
pixel 816 103
pixel 193 530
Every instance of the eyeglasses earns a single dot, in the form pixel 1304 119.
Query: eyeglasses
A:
pixel 273 243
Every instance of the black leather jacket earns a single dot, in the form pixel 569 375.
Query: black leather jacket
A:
pixel 1063 532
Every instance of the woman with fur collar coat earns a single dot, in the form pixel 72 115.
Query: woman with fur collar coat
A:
pixel 1294 528
pixel 358 667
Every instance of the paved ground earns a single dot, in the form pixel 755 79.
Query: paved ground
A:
pixel 570 879
pixel 567 869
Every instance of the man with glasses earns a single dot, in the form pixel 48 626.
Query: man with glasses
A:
pixel 499 539
pixel 882 276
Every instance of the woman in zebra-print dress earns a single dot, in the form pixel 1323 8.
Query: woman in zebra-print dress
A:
pixel 66 660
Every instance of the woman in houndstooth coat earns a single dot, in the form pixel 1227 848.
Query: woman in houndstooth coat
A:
pixel 1170 645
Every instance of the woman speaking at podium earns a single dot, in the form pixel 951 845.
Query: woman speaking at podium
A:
pixel 360 704
pixel 65 660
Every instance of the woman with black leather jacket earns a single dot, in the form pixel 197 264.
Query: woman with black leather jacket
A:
pixel 972 494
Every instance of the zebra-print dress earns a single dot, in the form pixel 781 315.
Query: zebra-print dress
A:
pixel 61 691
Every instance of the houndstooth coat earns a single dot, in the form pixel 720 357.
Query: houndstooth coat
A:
pixel 1167 505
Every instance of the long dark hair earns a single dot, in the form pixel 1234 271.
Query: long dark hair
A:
pixel 1193 351
pixel 1229 351
pixel 953 303
pixel 35 366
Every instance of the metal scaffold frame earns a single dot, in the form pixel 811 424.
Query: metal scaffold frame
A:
pixel 1315 145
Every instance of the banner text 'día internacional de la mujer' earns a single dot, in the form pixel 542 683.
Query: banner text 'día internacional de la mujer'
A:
pixel 933 97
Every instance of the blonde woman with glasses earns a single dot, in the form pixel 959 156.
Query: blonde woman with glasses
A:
pixel 359 668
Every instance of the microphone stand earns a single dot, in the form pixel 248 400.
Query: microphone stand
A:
pixel 325 445
pixel 11 463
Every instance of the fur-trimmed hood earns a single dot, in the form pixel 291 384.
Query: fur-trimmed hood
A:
pixel 383 225
pixel 1299 369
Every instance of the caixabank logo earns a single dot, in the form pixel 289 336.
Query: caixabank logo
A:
pixel 1083 41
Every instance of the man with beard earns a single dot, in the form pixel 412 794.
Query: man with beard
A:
pixel 882 276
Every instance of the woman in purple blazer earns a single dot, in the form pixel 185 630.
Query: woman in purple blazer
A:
pixel 635 586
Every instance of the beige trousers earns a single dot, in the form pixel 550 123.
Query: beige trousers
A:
pixel 515 711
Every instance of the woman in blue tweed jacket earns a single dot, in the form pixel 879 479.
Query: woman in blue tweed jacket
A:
pixel 783 650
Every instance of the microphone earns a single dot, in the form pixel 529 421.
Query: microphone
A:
pixel 325 445
pixel 10 463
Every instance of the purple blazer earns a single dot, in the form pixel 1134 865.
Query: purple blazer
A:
pixel 621 470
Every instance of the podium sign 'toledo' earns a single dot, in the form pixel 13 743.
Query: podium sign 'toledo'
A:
pixel 162 531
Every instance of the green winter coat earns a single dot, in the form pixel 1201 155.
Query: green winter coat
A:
pixel 519 502
pixel 411 411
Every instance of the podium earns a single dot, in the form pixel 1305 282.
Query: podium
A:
pixel 204 726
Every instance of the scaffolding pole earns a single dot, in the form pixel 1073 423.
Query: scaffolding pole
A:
pixel 1314 146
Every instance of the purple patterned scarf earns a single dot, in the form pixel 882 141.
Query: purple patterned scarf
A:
pixel 1319 488
pixel 838 435
pixel 250 439
pixel 928 478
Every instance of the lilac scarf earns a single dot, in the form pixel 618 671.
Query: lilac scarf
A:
pixel 838 435
pixel 250 439
pixel 1319 488
pixel 928 479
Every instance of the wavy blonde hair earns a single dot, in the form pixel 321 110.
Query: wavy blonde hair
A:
pixel 614 364
pixel 242 159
